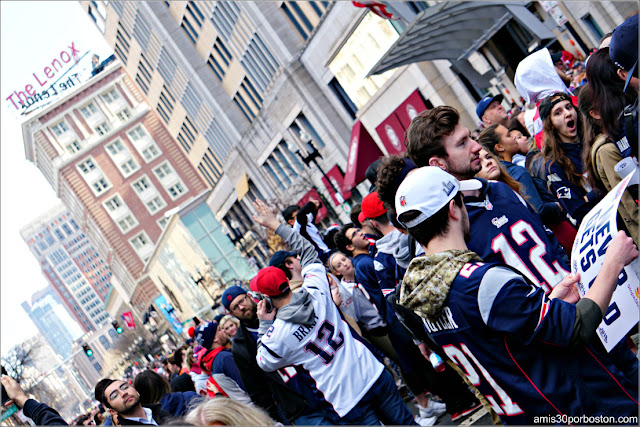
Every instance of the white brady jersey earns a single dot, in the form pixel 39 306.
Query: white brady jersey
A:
pixel 341 366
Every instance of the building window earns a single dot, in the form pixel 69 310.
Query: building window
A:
pixel 210 168
pixel 163 171
pixel 141 185
pixel 141 243
pixel 60 128
pixel 165 104
pixel 192 19
pixel 162 222
pixel 176 190
pixel 86 166
pixel 113 203
pixel 155 204
pixel 100 185
pixel 88 110
pixel 303 16
pixel 150 153
pixel 219 59
pixel 593 26
pixel 123 115
pixel 122 42
pixel 115 147
pixel 137 133
pixel 127 223
pixel 110 96
pixel 143 77
pixel 103 128
pixel 248 99
pixel 343 97
pixel 129 167
pixel 73 148
pixel 187 134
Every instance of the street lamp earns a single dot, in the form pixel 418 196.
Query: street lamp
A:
pixel 311 157
pixel 201 281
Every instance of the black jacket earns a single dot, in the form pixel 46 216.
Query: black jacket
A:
pixel 266 389
pixel 42 414
pixel 159 415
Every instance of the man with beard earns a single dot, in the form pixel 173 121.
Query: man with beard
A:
pixel 526 351
pixel 125 401
pixel 505 228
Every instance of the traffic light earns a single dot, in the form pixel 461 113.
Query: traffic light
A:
pixel 87 350
pixel 116 327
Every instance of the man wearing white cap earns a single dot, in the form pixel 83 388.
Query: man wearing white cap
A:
pixel 505 228
pixel 525 351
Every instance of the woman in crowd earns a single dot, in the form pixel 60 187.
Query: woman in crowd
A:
pixel 602 152
pixel 227 412
pixel 154 388
pixel 562 154
pixel 230 325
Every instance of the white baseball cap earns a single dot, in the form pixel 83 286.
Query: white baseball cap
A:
pixel 428 189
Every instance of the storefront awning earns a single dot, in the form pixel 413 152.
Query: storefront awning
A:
pixel 453 30
pixel 391 130
pixel 363 151
pixel 337 179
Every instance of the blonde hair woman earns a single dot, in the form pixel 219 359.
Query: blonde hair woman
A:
pixel 230 325
pixel 223 411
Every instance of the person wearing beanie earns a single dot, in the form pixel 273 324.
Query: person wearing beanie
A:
pixel 217 360
pixel 305 329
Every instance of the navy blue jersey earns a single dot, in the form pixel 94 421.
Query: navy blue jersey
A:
pixel 511 341
pixel 505 229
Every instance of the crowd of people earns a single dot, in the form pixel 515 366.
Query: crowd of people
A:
pixel 450 287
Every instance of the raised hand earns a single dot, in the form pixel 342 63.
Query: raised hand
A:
pixel 265 217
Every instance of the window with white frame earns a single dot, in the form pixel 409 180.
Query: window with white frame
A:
pixel 100 185
pixel 89 110
pixel 110 96
pixel 141 185
pixel 60 128
pixel 113 203
pixel 128 167
pixel 86 166
pixel 123 115
pixel 142 245
pixel 162 171
pixel 127 223
pixel 115 147
pixel 137 133
pixel 73 148
pixel 103 128
pixel 162 222
pixel 151 152
pixel 155 204
pixel 176 190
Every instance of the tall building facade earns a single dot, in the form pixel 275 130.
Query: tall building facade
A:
pixel 253 91
pixel 79 276
pixel 117 169
pixel 53 321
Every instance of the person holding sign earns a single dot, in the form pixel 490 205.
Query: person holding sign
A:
pixel 525 351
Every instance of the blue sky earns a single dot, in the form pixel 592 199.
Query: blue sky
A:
pixel 32 35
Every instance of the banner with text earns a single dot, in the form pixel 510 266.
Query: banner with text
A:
pixel 597 230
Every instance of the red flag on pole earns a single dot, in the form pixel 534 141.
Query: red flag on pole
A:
pixel 128 320
pixel 376 7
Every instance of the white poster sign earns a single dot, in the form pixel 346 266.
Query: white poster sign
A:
pixel 597 230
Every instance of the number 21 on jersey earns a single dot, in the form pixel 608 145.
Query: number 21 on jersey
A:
pixel 460 356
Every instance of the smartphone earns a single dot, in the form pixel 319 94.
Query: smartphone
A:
pixel 268 304
pixel 196 320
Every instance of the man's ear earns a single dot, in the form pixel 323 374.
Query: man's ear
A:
pixel 439 162
pixel 622 74
pixel 486 120
pixel 350 248
pixel 455 212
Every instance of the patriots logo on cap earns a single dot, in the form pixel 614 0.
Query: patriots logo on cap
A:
pixel 229 298
pixel 403 201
